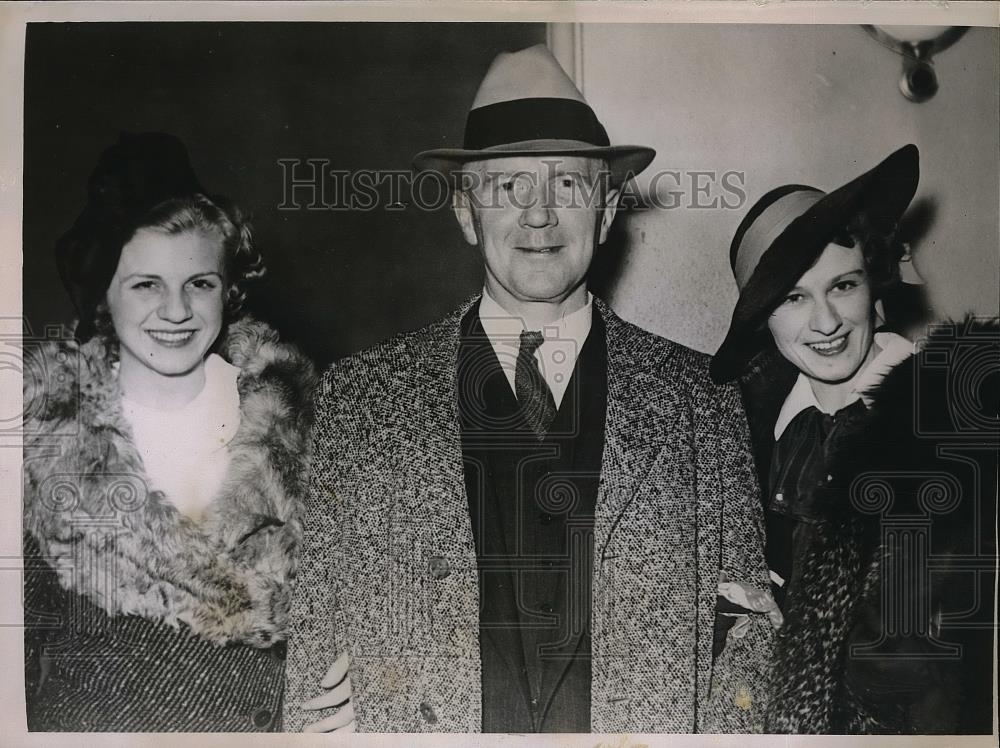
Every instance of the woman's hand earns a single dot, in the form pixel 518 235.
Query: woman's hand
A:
pixel 337 685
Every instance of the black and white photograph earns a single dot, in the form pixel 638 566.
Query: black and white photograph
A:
pixel 572 374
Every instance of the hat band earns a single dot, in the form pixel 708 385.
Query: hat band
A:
pixel 770 224
pixel 532 119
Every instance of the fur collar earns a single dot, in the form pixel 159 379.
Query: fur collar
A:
pixel 945 394
pixel 125 547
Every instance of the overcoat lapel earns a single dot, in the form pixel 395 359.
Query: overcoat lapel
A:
pixel 444 526
pixel 640 407
pixel 430 647
pixel 644 610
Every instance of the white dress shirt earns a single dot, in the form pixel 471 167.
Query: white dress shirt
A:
pixel 556 356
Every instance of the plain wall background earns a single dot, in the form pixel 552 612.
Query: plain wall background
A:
pixel 813 104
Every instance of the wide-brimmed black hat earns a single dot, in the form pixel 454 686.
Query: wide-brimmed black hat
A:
pixel 132 177
pixel 787 230
pixel 528 106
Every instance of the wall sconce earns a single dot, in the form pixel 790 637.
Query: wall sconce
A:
pixel 917 45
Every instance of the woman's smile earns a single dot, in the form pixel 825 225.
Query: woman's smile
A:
pixel 831 347
pixel 172 338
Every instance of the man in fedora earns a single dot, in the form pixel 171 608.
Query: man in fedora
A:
pixel 520 515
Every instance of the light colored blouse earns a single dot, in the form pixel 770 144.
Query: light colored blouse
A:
pixel 185 451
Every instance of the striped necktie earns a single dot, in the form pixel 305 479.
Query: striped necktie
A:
pixel 533 394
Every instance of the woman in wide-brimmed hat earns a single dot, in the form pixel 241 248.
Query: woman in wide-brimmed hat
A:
pixel 832 399
pixel 163 467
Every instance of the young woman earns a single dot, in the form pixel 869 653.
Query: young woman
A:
pixel 861 503
pixel 164 467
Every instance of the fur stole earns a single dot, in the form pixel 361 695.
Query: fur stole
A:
pixel 923 461
pixel 125 547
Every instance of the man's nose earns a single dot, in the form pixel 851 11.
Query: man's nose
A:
pixel 825 318
pixel 538 213
pixel 176 307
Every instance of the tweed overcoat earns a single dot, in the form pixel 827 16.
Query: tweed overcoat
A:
pixel 389 572
pixel 138 618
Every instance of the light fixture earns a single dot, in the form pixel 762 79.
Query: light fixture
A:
pixel 917 45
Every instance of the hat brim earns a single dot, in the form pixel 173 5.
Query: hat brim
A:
pixel 624 161
pixel 883 193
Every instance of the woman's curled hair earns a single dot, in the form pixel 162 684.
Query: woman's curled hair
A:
pixel 197 212
pixel 880 248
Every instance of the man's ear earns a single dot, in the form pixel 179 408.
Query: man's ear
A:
pixel 462 206
pixel 608 213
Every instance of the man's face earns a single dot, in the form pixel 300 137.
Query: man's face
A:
pixel 537 221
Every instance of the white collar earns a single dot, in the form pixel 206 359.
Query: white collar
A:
pixel 893 349
pixel 556 356
pixel 499 323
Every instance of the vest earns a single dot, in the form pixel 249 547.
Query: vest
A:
pixel 532 508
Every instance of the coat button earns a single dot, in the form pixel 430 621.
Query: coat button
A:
pixel 427 712
pixel 439 567
pixel 262 718
pixel 279 652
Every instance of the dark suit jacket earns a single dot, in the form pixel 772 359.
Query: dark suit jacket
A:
pixel 389 568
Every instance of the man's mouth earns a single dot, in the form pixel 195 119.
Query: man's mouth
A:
pixel 173 338
pixel 830 347
pixel 542 250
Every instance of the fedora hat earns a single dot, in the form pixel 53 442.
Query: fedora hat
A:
pixel 784 234
pixel 528 106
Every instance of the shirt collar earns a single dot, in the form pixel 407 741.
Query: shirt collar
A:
pixel 501 326
pixel 556 356
pixel 893 349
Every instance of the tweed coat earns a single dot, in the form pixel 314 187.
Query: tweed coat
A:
pixel 389 567
pixel 137 617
